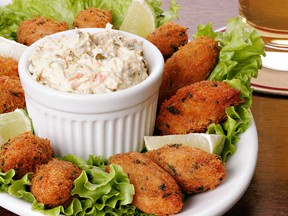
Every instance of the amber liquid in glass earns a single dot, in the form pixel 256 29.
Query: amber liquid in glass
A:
pixel 270 18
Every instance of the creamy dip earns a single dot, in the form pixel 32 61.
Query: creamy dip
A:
pixel 85 63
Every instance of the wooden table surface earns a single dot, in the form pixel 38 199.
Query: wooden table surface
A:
pixel 268 191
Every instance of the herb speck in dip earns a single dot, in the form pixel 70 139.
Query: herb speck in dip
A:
pixel 85 63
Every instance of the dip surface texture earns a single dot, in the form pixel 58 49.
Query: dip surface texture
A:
pixel 85 63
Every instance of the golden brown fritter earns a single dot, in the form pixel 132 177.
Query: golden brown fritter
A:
pixel 194 169
pixel 156 192
pixel 11 94
pixel 53 183
pixel 168 38
pixel 192 63
pixel 92 18
pixel 29 31
pixel 8 66
pixel 24 153
pixel 195 107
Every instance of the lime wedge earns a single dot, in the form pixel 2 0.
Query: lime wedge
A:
pixel 14 123
pixel 139 19
pixel 211 143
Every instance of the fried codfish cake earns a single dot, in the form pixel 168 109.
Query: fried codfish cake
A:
pixel 8 66
pixel 92 18
pixel 192 63
pixel 11 94
pixel 24 153
pixel 195 107
pixel 168 38
pixel 53 183
pixel 194 169
pixel 156 192
pixel 34 29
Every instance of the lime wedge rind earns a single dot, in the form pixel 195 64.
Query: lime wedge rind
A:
pixel 28 119
pixel 219 145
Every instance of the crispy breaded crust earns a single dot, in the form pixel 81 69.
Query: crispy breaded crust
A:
pixel 168 38
pixel 53 183
pixel 195 107
pixel 8 66
pixel 194 169
pixel 92 18
pixel 156 192
pixel 11 94
pixel 24 153
pixel 34 29
pixel 192 63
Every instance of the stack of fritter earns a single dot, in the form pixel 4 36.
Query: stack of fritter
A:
pixel 11 91
pixel 53 179
pixel 161 177
pixel 31 30
pixel 187 101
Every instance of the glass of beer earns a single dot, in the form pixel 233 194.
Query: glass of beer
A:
pixel 270 19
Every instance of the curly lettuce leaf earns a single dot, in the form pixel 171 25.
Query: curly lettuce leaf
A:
pixel 58 10
pixel 241 50
pixel 96 191
pixel 239 61
pixel 161 16
pixel 66 10
pixel 6 179
pixel 205 30
pixel 9 22
pixel 16 188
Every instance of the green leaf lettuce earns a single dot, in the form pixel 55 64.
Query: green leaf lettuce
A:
pixel 239 62
pixel 96 191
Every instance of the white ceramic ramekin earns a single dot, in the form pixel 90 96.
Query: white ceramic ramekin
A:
pixel 99 124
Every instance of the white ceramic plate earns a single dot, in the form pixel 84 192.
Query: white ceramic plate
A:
pixel 240 170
